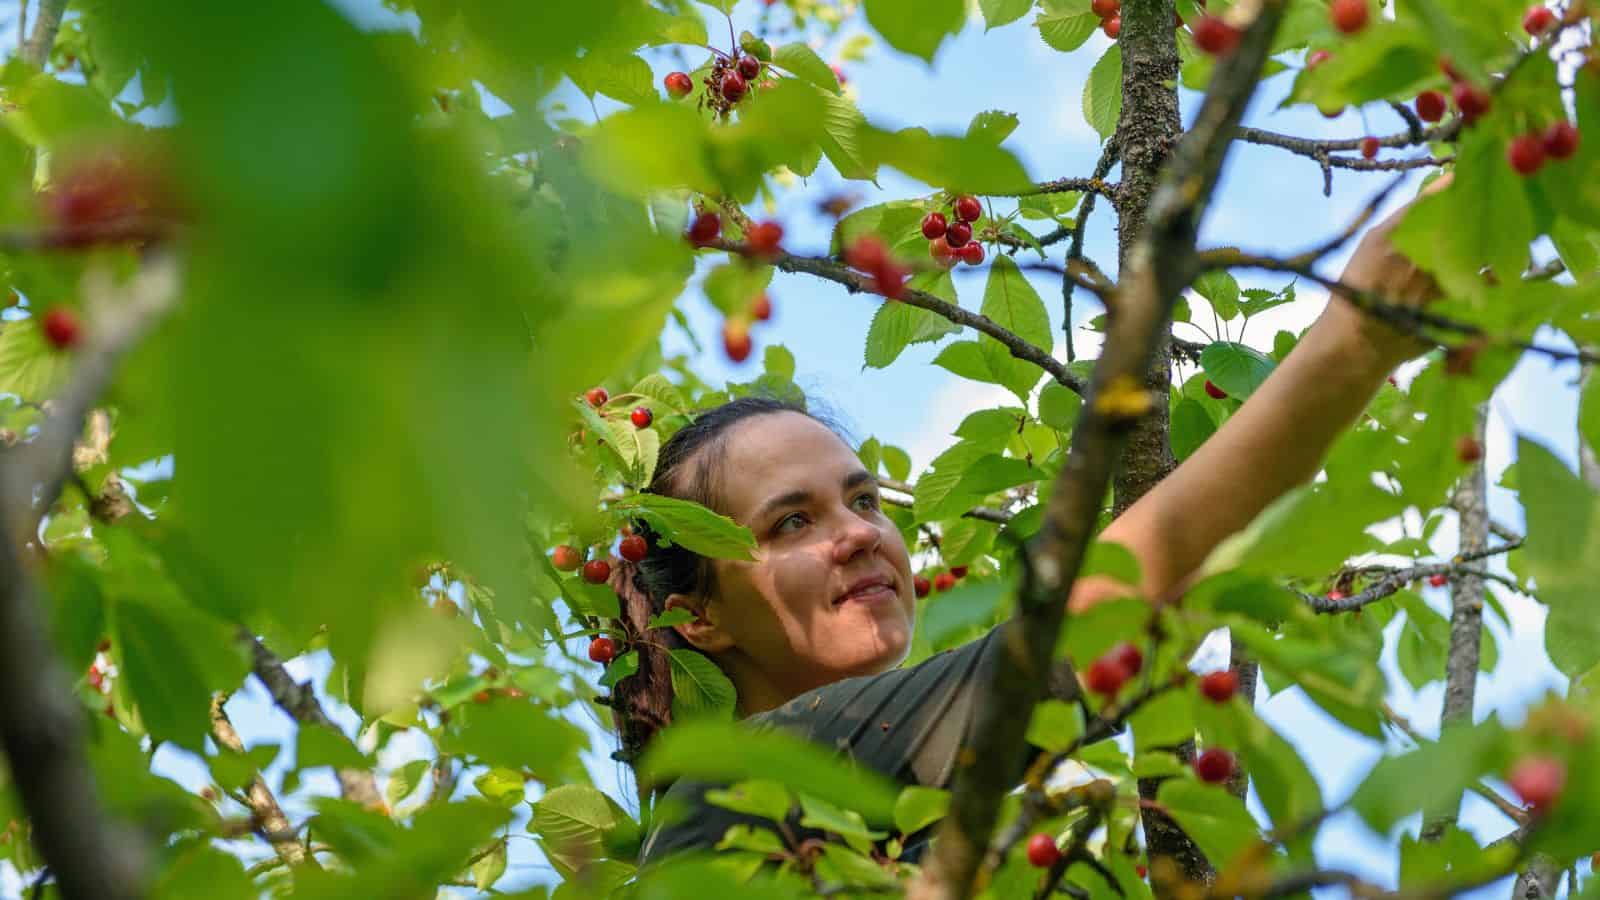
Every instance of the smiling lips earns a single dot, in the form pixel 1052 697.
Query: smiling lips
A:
pixel 876 587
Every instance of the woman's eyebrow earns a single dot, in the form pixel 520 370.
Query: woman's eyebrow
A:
pixel 855 479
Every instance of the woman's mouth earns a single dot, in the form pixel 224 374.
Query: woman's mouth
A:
pixel 876 589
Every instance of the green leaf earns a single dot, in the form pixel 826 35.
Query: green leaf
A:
pixel 661 392
pixel 1236 368
pixel 1450 231
pixel 731 286
pixel 1221 291
pixel 699 687
pixel 620 76
pixel 770 754
pixel 319 745
pixel 896 326
pixel 1055 725
pixel 992 125
pixel 973 164
pixel 1561 552
pixel 756 797
pixel 841 121
pixel 691 525
pixel 173 658
pixel 518 736
pixel 489 867
pixel 1010 300
pixel 778 362
pixel 917 27
pixel 956 612
pixel 1066 25
pixel 574 820
pixel 1003 12
pixel 502 786
pixel 723 6
pixel 1166 721
pixel 1217 821
pixel 819 813
pixel 918 807
pixel 806 65
pixel 897 463
pixel 620 668
pixel 1102 93
pixel 1059 406
pixel 404 781
pixel 1431 775
pixel 28 367
pixel 1191 427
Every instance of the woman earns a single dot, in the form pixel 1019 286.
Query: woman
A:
pixel 811 629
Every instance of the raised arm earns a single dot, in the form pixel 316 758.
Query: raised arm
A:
pixel 1273 442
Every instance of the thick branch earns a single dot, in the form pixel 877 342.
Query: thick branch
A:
pixel 41 722
pixel 1162 264
pixel 266 814
pixel 301 704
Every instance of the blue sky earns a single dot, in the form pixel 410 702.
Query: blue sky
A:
pixel 1268 199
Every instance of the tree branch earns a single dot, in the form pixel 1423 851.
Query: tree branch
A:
pixel 41 722
pixel 1391 580
pixel 298 700
pixel 266 814
pixel 1162 265
pixel 45 25
pixel 1108 158
pixel 855 282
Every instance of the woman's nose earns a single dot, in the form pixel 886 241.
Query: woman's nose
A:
pixel 856 535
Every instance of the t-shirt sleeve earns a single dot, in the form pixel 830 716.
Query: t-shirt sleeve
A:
pixel 908 724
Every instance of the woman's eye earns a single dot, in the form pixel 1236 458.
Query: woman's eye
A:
pixel 867 501
pixel 794 519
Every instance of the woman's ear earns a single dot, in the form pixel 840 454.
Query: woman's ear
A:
pixel 703 633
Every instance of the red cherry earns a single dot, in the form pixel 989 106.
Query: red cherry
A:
pixel 1525 153
pixel 1561 140
pixel 1430 106
pixel 633 548
pixel 866 253
pixel 642 417
pixel 1449 69
pixel 1105 9
pixel 1538 19
pixel 1129 657
pixel 944 581
pixel 933 225
pixel 1472 100
pixel 1438 580
pixel 61 328
pixel 764 238
pixel 566 558
pixel 1215 392
pixel 968 209
pixel 705 228
pixel 96 678
pixel 1042 851
pixel 1538 780
pixel 1215 765
pixel 1317 58
pixel 1214 36
pixel 1369 148
pixel 1392 382
pixel 761 307
pixel 1140 870
pixel 889 279
pixel 838 72
pixel 1337 594
pixel 958 571
pixel 596 396
pixel 1106 676
pixel 602 650
pixel 1349 16
pixel 103 198
pixel 958 233
pixel 734 86
pixel 678 84
pixel 1468 450
pixel 942 253
pixel 1219 687
pixel 1112 27
pixel 749 67
pixel 597 571
pixel 923 585
pixel 482 697
pixel 736 340
pixel 972 253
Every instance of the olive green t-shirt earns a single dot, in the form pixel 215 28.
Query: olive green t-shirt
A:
pixel 908 724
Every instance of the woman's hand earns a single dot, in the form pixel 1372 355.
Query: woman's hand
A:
pixel 1381 270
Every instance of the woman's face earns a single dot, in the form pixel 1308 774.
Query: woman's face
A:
pixel 829 593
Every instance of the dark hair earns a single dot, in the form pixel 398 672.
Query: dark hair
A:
pixel 689 467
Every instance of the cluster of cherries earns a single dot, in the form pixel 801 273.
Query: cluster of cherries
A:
pixel 567 558
pixel 1110 13
pixel 728 82
pixel 950 238
pixel 941 582
pixel 762 240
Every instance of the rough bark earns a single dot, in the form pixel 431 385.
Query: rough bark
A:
pixel 1248 672
pixel 1148 129
pixel 264 808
